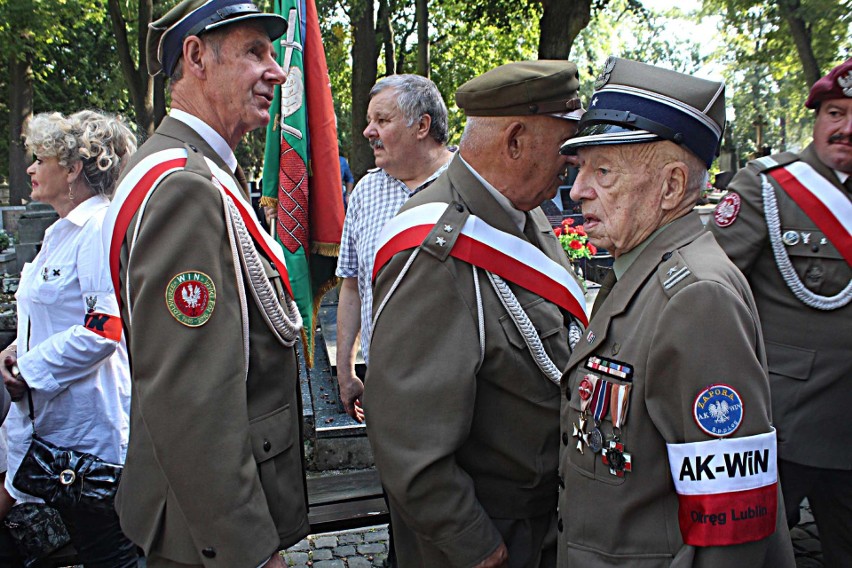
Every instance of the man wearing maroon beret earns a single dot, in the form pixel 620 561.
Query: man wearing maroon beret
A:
pixel 786 224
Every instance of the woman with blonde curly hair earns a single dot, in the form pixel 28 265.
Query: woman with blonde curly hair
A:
pixel 69 352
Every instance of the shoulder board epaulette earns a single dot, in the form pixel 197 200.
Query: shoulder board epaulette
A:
pixel 441 239
pixel 673 273
pixel 767 163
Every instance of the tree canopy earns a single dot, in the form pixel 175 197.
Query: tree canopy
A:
pixel 74 54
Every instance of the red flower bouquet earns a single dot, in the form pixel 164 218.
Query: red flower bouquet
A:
pixel 574 240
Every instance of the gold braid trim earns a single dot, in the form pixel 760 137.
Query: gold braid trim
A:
pixel 326 249
pixel 309 352
pixel 266 201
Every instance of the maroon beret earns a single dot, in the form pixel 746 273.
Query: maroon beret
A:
pixel 836 85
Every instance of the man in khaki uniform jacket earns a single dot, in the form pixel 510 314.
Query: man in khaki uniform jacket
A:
pixel 796 258
pixel 462 420
pixel 668 455
pixel 214 469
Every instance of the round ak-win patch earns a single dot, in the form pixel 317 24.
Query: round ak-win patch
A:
pixel 727 210
pixel 718 410
pixel 191 297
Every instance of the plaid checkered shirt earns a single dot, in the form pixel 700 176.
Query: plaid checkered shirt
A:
pixel 374 201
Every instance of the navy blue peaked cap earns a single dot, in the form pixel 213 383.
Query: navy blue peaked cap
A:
pixel 194 17
pixel 635 103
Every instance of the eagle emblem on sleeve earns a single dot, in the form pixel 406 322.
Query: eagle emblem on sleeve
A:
pixel 191 297
pixel 718 410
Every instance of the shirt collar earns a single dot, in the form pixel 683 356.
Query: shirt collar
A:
pixel 518 217
pixel 423 185
pixel 83 212
pixel 213 138
pixel 624 261
pixel 842 176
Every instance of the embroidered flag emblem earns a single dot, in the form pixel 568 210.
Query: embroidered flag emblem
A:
pixel 191 297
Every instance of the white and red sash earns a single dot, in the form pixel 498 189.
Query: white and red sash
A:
pixel 141 181
pixel 727 489
pixel 493 250
pixel 826 205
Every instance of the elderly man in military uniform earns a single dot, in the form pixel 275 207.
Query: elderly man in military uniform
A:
pixel 214 468
pixel 473 303
pixel 668 452
pixel 786 224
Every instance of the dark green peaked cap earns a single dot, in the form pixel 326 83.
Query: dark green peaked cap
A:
pixel 545 87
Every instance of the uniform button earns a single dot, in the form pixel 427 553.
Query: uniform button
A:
pixel 565 438
pixel 815 248
pixel 267 445
pixel 667 256
pixel 559 524
pixel 567 394
pixel 193 148
pixel 209 552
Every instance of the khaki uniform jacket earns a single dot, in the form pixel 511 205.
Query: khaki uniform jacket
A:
pixel 678 338
pixel 459 439
pixel 214 468
pixel 809 351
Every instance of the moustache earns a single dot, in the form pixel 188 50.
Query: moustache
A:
pixel 376 143
pixel 839 137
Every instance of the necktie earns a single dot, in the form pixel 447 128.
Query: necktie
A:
pixel 606 288
pixel 241 179
pixel 848 184
pixel 530 231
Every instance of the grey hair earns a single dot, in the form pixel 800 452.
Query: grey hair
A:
pixel 416 95
pixel 102 142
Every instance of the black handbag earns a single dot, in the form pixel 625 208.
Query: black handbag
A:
pixel 37 530
pixel 66 478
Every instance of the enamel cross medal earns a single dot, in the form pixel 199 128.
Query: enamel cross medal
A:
pixel 614 455
pixel 585 390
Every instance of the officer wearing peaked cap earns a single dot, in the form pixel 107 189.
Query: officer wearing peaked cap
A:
pixel 461 394
pixel 214 467
pixel 653 422
pixel 786 224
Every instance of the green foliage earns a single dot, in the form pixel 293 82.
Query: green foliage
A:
pixel 763 70
pixel 72 49
pixel 625 28
pixel 466 48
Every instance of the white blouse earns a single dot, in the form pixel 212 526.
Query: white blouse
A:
pixel 78 374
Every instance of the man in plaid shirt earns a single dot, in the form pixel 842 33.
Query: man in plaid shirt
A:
pixel 407 129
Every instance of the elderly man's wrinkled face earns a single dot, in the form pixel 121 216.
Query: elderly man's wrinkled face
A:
pixel 392 139
pixel 241 79
pixel 619 195
pixel 539 173
pixel 833 134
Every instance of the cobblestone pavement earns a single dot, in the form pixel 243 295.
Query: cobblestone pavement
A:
pixel 363 548
pixel 358 548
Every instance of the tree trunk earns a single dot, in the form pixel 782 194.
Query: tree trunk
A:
pixel 139 83
pixel 801 33
pixel 561 22
pixel 20 109
pixel 423 63
pixel 364 70
pixel 384 33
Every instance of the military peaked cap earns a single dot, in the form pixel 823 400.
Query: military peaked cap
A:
pixel 634 103
pixel 546 87
pixel 194 17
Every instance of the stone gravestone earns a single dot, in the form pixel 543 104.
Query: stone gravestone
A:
pixel 31 226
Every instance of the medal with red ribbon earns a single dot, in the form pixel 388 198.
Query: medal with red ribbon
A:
pixel 614 455
pixel 599 407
